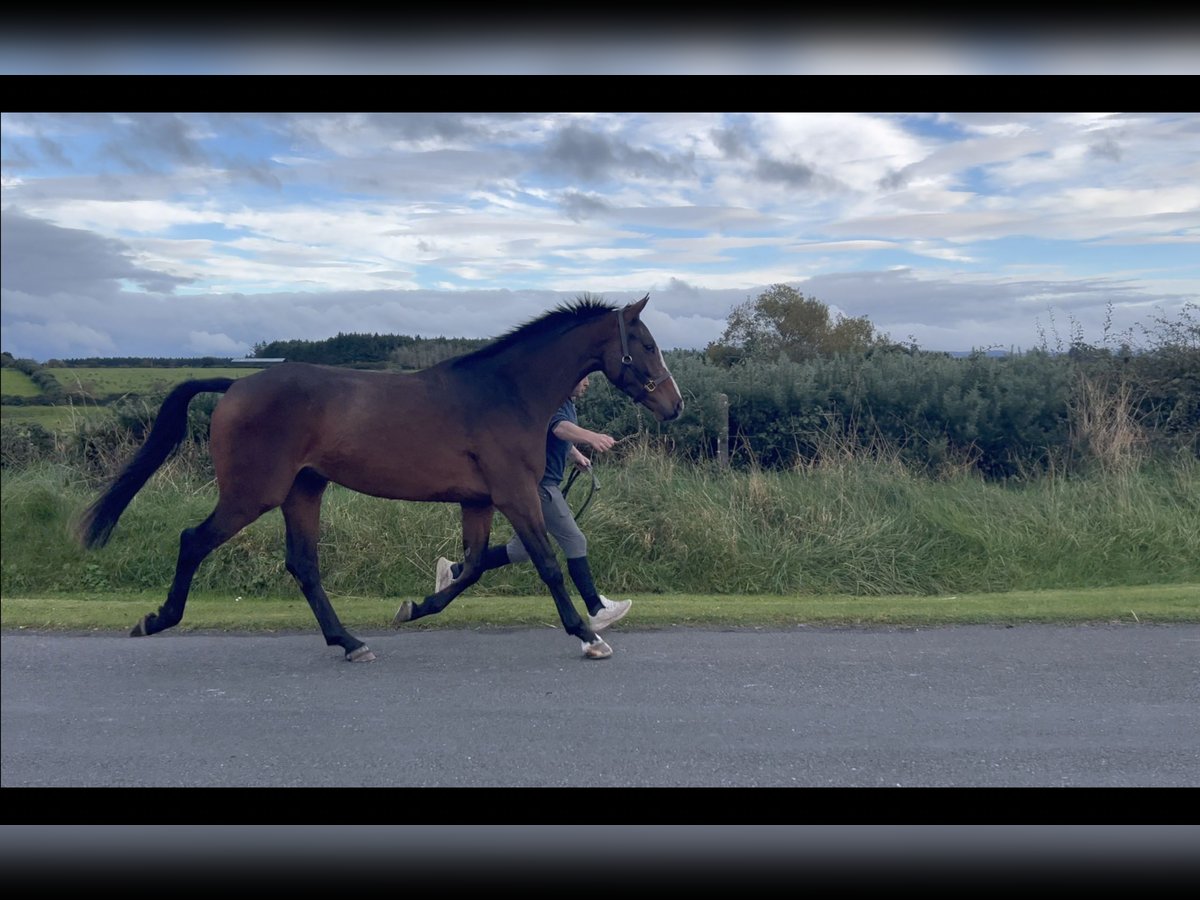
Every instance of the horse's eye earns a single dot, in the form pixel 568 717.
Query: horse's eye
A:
pixel 649 348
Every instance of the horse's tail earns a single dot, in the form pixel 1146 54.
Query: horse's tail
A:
pixel 169 429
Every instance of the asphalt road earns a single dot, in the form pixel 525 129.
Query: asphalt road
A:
pixel 968 706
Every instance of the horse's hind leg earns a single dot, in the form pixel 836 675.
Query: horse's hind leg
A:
pixel 477 525
pixel 194 545
pixel 302 515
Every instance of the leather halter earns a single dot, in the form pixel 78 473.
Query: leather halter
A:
pixel 650 383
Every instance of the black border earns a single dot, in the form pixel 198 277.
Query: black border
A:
pixel 591 859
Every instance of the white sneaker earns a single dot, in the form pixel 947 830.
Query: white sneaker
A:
pixel 443 575
pixel 614 611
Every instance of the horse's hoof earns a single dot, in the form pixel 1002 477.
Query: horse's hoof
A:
pixel 362 654
pixel 597 649
pixel 403 614
pixel 139 630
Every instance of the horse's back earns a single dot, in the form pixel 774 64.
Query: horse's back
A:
pixel 395 435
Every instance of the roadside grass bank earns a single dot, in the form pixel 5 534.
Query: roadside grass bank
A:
pixel 117 613
pixel 656 527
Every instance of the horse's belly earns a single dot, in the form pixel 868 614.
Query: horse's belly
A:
pixel 410 482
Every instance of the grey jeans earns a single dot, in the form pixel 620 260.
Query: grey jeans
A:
pixel 559 522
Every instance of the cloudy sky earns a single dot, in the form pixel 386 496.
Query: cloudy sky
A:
pixel 191 234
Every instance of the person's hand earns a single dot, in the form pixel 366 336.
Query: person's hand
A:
pixel 582 462
pixel 601 442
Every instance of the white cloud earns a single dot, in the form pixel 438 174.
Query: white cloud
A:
pixel 247 224
pixel 856 150
pixel 204 343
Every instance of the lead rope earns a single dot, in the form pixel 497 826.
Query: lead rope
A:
pixel 591 492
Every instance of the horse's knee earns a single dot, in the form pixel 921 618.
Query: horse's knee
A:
pixel 304 570
pixel 552 575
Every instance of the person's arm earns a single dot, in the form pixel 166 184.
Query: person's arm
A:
pixel 578 458
pixel 569 431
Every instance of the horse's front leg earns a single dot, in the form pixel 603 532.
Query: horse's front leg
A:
pixel 532 530
pixel 477 526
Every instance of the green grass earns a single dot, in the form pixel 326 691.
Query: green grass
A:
pixel 17 384
pixel 656 527
pixel 1145 605
pixel 54 418
pixel 97 383
pixel 102 382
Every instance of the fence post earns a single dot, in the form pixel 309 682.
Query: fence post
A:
pixel 723 430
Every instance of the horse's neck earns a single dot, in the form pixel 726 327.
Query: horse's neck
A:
pixel 546 375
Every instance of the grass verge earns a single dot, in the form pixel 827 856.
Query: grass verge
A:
pixel 1152 604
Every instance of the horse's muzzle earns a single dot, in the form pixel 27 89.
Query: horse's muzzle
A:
pixel 665 408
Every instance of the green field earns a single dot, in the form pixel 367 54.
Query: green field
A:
pixel 53 418
pixel 103 382
pixel 97 383
pixel 17 384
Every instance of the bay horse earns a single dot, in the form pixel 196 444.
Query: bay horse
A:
pixel 470 430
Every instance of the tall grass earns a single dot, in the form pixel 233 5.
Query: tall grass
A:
pixel 851 524
pixel 1104 426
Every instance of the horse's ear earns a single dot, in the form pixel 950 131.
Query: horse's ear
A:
pixel 633 310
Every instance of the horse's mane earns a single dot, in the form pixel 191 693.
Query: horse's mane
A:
pixel 554 322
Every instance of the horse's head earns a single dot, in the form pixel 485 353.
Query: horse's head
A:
pixel 634 363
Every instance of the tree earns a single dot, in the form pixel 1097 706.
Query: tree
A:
pixel 782 320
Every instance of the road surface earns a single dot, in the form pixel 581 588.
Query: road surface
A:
pixel 965 706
